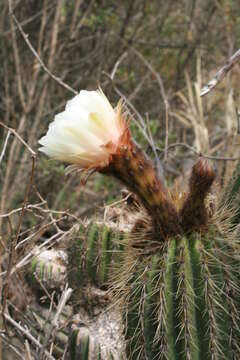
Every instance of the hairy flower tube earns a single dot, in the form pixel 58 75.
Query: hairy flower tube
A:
pixel 92 135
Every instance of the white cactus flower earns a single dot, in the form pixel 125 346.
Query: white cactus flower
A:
pixel 86 133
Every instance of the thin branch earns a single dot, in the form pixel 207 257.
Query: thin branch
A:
pixel 218 158
pixel 12 251
pixel 153 146
pixel 30 206
pixel 56 238
pixel 167 130
pixel 155 74
pixel 55 322
pixel 17 62
pixel 5 146
pixel 11 346
pixel 36 55
pixel 221 73
pixel 28 351
pixel 40 231
pixel 118 62
pixel 13 131
pixel 27 333
pixel 50 297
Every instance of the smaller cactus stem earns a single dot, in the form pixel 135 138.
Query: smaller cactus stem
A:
pixel 194 213
pixel 136 171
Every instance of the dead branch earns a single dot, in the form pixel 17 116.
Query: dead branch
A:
pixel 220 75
pixel 217 158
pixel 55 322
pixel 14 132
pixel 40 61
pixel 27 333
pixel 12 250
pixel 5 146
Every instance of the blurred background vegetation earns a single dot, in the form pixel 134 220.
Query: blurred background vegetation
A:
pixel 156 55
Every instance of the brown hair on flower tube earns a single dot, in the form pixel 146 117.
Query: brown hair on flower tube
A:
pixel 130 165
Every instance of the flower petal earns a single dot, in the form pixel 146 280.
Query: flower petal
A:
pixel 80 133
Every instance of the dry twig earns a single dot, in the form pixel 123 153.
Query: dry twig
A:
pixel 221 73
pixel 27 333
pixel 5 146
pixel 55 322
pixel 14 132
pixel 36 55
pixel 210 157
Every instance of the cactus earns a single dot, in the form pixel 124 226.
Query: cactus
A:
pixel 178 289
pixel 176 279
pixel 180 295
pixel 91 253
pixel 48 271
pixel 81 347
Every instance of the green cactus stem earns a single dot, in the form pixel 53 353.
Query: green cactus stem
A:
pixel 182 303
pixel 79 346
pixel 48 271
pixel 83 345
pixel 91 254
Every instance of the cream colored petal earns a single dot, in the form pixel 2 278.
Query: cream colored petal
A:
pixel 78 134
